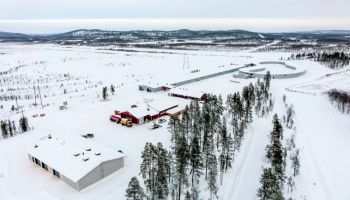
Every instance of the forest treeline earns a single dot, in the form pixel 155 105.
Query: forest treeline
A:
pixel 340 99
pixel 334 60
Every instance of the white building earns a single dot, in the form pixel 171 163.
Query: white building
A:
pixel 77 161
pixel 186 93
pixel 278 70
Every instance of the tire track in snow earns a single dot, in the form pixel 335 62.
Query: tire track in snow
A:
pixel 241 168
pixel 311 155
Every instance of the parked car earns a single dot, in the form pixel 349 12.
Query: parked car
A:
pixel 42 115
pixel 154 126
pixel 162 120
pixel 88 135
pixel 114 118
pixel 36 115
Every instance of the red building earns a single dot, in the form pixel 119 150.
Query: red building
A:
pixel 146 112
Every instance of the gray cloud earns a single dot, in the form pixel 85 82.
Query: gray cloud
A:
pixel 333 14
pixel 58 9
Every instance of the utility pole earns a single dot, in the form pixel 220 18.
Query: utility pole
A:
pixel 188 62
pixel 41 101
pixel 183 64
pixel 17 103
pixel 35 96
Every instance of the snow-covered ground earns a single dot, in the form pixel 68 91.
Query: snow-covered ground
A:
pixel 77 75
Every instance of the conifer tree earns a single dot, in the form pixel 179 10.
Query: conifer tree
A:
pixel 134 190
pixel 155 170
pixel 112 89
pixel 4 129
pixel 196 163
pixel 270 186
pixel 275 151
pixel 267 80
pixel 186 123
pixel 248 115
pixel 104 93
pixel 174 128
pixel 212 177
pixel 295 163
pixel 181 165
pixel 147 168
pixel 23 122
pixel 188 196
pixel 9 125
pixel 162 173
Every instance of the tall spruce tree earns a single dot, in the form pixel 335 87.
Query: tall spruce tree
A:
pixel 23 122
pixel 275 151
pixel 267 80
pixel 134 190
pixel 196 162
pixel 155 170
pixel 112 89
pixel 181 156
pixel 270 186
pixel 4 129
pixel 104 93
pixel 212 177
pixel 296 163
pixel 9 125
pixel 147 168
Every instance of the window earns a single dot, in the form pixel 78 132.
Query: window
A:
pixel 56 173
pixel 37 161
pixel 43 165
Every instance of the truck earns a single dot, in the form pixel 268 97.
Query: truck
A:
pixel 114 118
pixel 126 122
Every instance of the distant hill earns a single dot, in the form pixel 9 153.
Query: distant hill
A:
pixel 182 34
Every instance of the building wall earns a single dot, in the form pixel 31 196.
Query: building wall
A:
pixel 204 77
pixel 69 182
pixel 150 89
pixel 101 171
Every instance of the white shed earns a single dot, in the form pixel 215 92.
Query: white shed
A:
pixel 77 161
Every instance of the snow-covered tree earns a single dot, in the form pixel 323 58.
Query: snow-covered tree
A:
pixel 295 163
pixel 212 177
pixel 112 89
pixel 196 160
pixel 4 129
pixel 134 190
pixel 23 122
pixel 155 170
pixel 275 151
pixel 104 93
pixel 270 188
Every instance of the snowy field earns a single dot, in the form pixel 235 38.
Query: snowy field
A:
pixel 77 74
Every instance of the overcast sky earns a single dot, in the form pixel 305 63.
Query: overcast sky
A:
pixel 48 16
